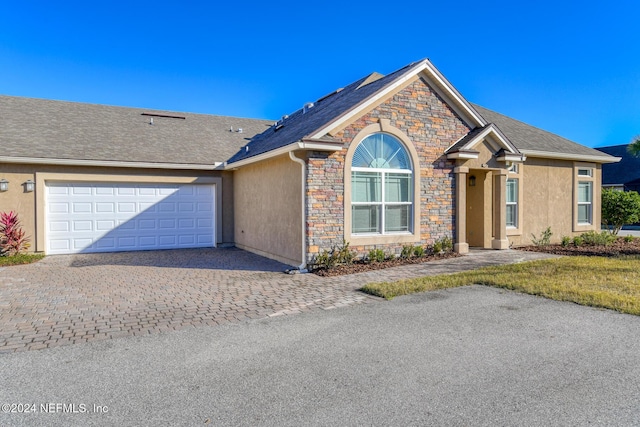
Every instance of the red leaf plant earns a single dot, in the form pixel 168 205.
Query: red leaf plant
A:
pixel 12 237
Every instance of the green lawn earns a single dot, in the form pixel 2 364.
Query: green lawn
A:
pixel 19 259
pixel 612 283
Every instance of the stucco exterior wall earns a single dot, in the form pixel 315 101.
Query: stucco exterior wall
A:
pixel 31 210
pixel 268 209
pixel 549 200
pixel 422 116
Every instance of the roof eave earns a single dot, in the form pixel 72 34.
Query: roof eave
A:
pixel 306 144
pixel 466 155
pixel 571 156
pixel 108 163
pixel 508 157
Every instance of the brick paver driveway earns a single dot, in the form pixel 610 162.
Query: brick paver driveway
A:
pixel 79 298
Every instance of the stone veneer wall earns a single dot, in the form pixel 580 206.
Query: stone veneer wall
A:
pixel 433 127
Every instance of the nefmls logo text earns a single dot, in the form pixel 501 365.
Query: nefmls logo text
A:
pixel 66 408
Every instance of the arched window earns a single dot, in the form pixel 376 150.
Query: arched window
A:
pixel 381 186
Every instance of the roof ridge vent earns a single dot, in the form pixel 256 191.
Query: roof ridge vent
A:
pixel 306 107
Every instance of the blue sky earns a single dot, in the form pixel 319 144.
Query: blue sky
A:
pixel 569 67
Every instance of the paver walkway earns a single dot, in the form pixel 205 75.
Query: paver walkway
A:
pixel 70 299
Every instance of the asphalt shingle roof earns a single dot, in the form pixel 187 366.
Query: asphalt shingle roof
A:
pixel 527 137
pixel 68 130
pixel 301 124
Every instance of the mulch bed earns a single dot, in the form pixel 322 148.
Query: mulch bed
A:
pixel 360 266
pixel 617 248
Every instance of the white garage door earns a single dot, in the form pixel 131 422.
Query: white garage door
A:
pixel 109 217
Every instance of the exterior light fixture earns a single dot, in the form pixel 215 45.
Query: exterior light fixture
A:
pixel 4 185
pixel 472 181
pixel 29 186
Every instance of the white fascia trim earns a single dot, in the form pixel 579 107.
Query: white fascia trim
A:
pixel 567 156
pixel 107 163
pixel 462 155
pixel 516 158
pixel 316 146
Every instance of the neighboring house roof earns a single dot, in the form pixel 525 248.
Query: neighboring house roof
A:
pixel 627 172
pixel 75 133
pixel 536 142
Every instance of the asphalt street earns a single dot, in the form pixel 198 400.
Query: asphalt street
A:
pixel 466 356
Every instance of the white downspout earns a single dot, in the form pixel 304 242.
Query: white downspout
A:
pixel 302 267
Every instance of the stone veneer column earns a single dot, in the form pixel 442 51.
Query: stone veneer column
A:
pixel 461 246
pixel 500 240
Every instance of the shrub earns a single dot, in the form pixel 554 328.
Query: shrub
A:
pixel 565 241
pixel 407 252
pixel 444 245
pixel 578 241
pixel 619 208
pixel 594 238
pixel 447 244
pixel 376 255
pixel 329 259
pixel 629 238
pixel 545 238
pixel 12 237
pixel 418 251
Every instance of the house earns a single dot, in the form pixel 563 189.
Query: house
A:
pixel 624 175
pixel 386 161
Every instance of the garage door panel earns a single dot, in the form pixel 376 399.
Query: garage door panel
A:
pixel 85 217
pixel 58 208
pixel 82 226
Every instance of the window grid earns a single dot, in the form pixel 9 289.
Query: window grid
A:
pixel 382 204
pixel 585 197
pixel 512 203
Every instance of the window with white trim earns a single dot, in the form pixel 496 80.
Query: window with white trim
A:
pixel 381 187
pixel 512 202
pixel 585 202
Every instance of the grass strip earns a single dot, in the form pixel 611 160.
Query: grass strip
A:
pixel 19 259
pixel 612 283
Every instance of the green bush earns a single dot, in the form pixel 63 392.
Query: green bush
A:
pixel 447 244
pixel 619 208
pixel 578 241
pixel 544 239
pixel 407 251
pixel 443 245
pixel 376 255
pixel 594 238
pixel 629 238
pixel 418 251
pixel 566 240
pixel 329 259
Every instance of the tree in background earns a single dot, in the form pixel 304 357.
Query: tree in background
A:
pixel 619 208
pixel 634 147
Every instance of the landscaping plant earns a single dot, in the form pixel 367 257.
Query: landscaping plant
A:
pixel 544 239
pixel 376 255
pixel 619 208
pixel 12 237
